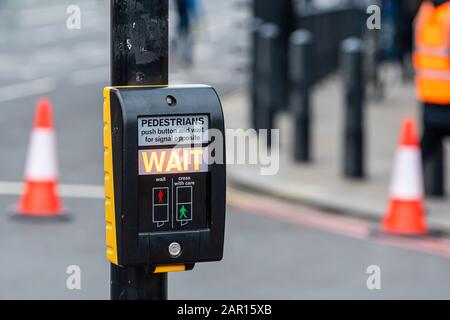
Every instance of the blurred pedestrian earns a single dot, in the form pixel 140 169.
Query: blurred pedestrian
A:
pixel 407 11
pixel 432 64
pixel 389 36
pixel 188 13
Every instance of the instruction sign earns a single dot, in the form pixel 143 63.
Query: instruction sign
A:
pixel 173 130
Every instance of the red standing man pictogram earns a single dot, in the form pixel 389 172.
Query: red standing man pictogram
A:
pixel 160 196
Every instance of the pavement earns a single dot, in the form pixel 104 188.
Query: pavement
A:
pixel 321 183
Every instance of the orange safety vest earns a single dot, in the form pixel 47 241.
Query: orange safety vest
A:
pixel 432 53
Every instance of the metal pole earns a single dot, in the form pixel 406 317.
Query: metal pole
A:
pixel 300 58
pixel 137 283
pixel 352 68
pixel 139 56
pixel 139 42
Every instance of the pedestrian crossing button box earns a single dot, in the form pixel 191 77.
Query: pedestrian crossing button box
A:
pixel 164 176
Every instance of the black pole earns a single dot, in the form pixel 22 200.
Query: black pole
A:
pixel 352 68
pixel 137 283
pixel 139 56
pixel 139 42
pixel 300 58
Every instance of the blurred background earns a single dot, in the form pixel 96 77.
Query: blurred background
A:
pixel 337 90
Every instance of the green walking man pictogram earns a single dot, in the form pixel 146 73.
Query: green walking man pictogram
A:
pixel 183 213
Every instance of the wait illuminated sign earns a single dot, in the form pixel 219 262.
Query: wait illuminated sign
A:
pixel 172 161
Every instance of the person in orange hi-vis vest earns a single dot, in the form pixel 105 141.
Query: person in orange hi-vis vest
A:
pixel 432 66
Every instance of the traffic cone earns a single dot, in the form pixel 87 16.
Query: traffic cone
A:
pixel 40 196
pixel 406 213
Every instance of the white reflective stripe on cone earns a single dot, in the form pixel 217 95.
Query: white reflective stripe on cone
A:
pixel 407 180
pixel 41 159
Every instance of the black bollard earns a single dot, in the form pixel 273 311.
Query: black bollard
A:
pixel 255 76
pixel 267 94
pixel 300 58
pixel 352 69
pixel 372 66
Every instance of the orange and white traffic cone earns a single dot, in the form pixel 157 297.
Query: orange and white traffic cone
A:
pixel 40 196
pixel 406 213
